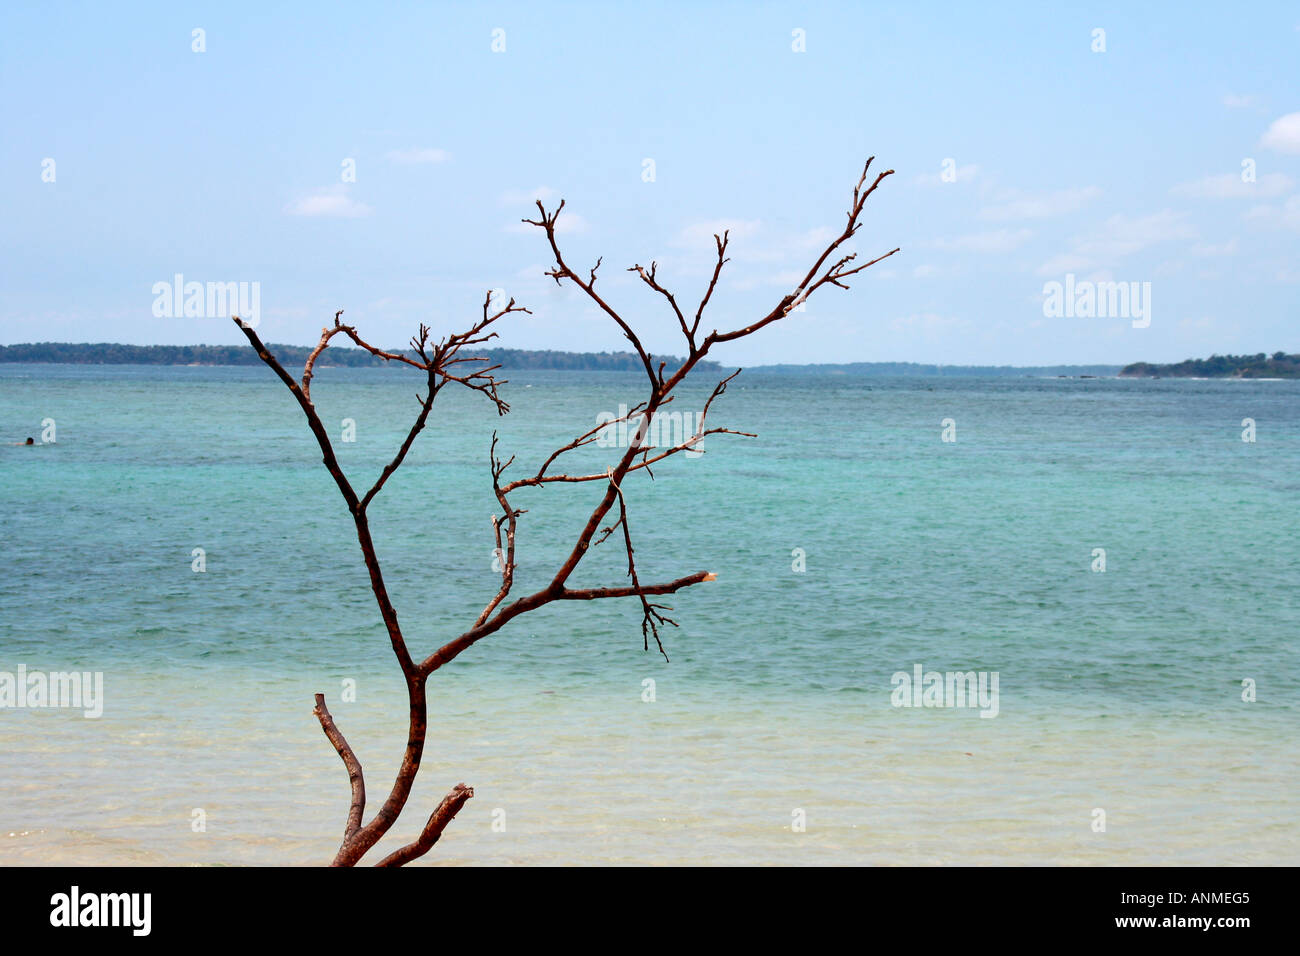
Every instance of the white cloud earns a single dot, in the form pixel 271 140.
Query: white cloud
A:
pixel 1228 248
pixel 419 155
pixel 1236 101
pixel 1120 236
pixel 818 238
pixel 1000 240
pixel 1230 186
pixel 1042 206
pixel 330 201
pixel 1283 135
pixel 1285 216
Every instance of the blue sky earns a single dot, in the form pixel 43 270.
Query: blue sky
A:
pixel 227 165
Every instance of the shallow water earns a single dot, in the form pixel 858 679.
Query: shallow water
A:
pixel 1119 691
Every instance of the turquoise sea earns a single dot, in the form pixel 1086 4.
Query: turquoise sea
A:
pixel 771 736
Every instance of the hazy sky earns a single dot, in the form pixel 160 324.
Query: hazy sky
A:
pixel 229 164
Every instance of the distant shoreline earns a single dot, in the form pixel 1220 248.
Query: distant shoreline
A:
pixel 105 353
pixel 1260 365
pixel 1279 365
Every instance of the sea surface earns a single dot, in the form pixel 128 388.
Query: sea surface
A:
pixel 1158 697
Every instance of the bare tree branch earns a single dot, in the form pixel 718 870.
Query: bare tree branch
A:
pixel 562 271
pixel 444 813
pixel 651 617
pixel 350 761
pixel 649 279
pixel 833 275
pixel 721 242
pixel 510 518
pixel 442 362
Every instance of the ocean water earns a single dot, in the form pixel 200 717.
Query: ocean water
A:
pixel 771 736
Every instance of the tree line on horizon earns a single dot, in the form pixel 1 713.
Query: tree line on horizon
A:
pixel 1260 365
pixel 111 353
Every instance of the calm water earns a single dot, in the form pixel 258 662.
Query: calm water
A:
pixel 1119 691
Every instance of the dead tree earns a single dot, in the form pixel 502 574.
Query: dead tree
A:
pixel 443 363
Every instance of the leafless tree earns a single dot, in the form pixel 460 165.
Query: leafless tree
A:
pixel 442 363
